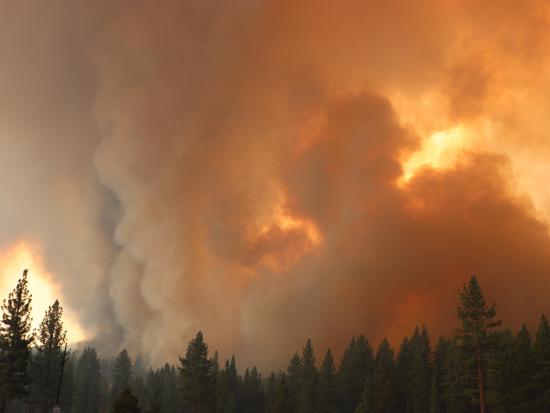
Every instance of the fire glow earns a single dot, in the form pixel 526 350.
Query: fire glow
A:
pixel 23 255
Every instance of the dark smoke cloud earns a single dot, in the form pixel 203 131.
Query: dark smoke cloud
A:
pixel 237 167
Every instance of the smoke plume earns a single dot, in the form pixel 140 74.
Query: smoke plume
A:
pixel 268 171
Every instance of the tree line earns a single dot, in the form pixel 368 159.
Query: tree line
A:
pixel 481 368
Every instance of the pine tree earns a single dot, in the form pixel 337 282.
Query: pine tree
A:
pixel 122 374
pixel 293 380
pixel 435 406
pixel 357 364
pixel 45 363
pixel 283 400
pixel 270 392
pixel 437 403
pixel 253 399
pixel 152 392
pixel 403 398
pixel 307 392
pixel 16 342
pixel 88 381
pixel 228 388
pixel 197 377
pixel 458 377
pixel 541 377
pixel 328 387
pixel 68 385
pixel 384 379
pixel 420 371
pixel 367 403
pixel 476 337
pixel 501 377
pixel 126 402
pixel 168 395
pixel 523 366
pixel 379 393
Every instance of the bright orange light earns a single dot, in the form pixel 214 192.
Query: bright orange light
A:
pixel 441 149
pixel 287 222
pixel 42 285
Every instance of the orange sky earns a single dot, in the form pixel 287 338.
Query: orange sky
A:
pixel 273 170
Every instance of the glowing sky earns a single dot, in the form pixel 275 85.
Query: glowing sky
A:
pixel 269 171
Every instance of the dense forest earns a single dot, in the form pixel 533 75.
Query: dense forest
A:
pixel 482 368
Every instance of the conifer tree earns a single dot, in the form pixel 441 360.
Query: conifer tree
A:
pixel 383 382
pixel 283 401
pixel 126 402
pixel 357 364
pixel 523 367
pixel 420 371
pixel 88 381
pixel 328 387
pixel 293 380
pixel 197 377
pixel 307 392
pixel 45 364
pixel 458 377
pixel 379 393
pixel 270 392
pixel 403 398
pixel 152 392
pixel 367 404
pixel 228 388
pixel 541 377
pixel 68 385
pixel 16 340
pixel 476 338
pixel 253 399
pixel 122 374
pixel 437 405
pixel 168 389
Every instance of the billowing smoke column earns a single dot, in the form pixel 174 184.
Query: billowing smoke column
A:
pixel 256 160
pixel 257 156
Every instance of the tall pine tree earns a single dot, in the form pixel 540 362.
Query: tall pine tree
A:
pixel 45 366
pixel 122 374
pixel 126 402
pixel 328 387
pixel 541 377
pixel 88 381
pixel 476 338
pixel 307 392
pixel 16 340
pixel 357 363
pixel 197 377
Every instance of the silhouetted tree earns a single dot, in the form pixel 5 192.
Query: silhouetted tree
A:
pixel 357 364
pixel 476 338
pixel 88 379
pixel 541 376
pixel 197 377
pixel 328 387
pixel 420 371
pixel 307 388
pixel 16 340
pixel 253 399
pixel 126 402
pixel 122 374
pixel 45 363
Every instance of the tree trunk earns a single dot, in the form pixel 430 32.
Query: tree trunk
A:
pixel 481 385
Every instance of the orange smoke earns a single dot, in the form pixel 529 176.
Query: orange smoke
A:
pixel 270 170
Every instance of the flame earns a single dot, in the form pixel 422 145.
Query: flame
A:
pixel 442 149
pixel 282 219
pixel 42 285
